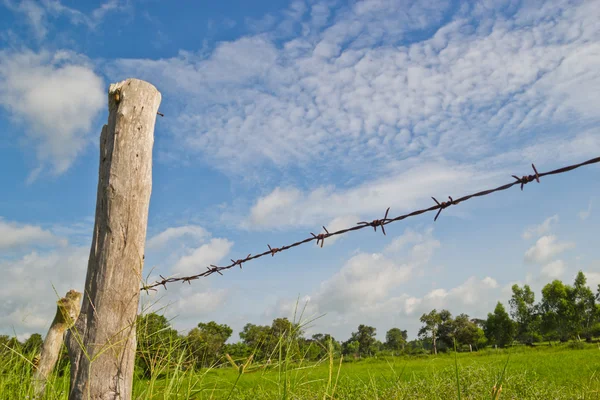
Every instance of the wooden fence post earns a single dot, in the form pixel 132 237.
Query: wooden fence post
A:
pixel 67 311
pixel 102 343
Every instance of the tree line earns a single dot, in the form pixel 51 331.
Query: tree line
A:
pixel 564 312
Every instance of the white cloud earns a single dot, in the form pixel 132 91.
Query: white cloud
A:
pixel 473 294
pixel 34 13
pixel 14 235
pixel 489 282
pixel 423 244
pixel 541 229
pixel 339 223
pixel 105 8
pixel 367 279
pixel 268 207
pixel 545 248
pixel 585 214
pixel 356 98
pixel 198 259
pixel 386 290
pixel 38 13
pixel 27 296
pixel 174 233
pixel 364 279
pixel 303 308
pixel 57 96
pixel 194 303
pixel 183 305
pixel 366 288
pixel 401 192
pixel 186 304
pixel 554 270
pixel 475 297
pixel 398 244
pixel 593 278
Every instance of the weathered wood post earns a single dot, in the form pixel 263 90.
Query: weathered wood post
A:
pixel 102 343
pixel 67 311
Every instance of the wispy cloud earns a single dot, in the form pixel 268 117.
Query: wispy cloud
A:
pixel 38 13
pixel 28 286
pixel 541 229
pixel 379 289
pixel 33 12
pixel 360 95
pixel 585 214
pixel 367 279
pixel 198 259
pixel 174 233
pixel 554 269
pixel 407 190
pixel 14 235
pixel 56 96
pixel 546 248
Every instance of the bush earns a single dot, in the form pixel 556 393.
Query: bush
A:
pixel 576 346
pixel 416 351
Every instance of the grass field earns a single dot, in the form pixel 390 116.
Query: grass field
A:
pixel 557 372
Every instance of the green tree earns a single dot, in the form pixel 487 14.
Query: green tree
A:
pixel 7 343
pixel 365 336
pixel 585 307
pixel 395 339
pixel 557 309
pixel 320 345
pixel 157 343
pixel 254 335
pixel 323 338
pixel 284 337
pixel 206 342
pixel 281 327
pixel 431 327
pixel 33 344
pixel 523 311
pixel 351 347
pixel 499 328
pixel 446 329
pixel 257 338
pixel 467 332
pixel 238 350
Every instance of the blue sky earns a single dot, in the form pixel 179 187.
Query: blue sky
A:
pixel 281 117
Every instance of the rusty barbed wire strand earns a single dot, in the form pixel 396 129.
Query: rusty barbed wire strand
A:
pixel 320 238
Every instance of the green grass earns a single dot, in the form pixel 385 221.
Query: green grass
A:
pixel 524 373
pixel 530 374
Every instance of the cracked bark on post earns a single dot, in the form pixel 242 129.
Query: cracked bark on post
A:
pixel 102 343
pixel 67 311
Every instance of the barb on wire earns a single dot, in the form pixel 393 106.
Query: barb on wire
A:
pixel 377 222
pixel 320 238
pixel 528 178
pixel 273 250
pixel 239 262
pixel 443 204
pixel 214 268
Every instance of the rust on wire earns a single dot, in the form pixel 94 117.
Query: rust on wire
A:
pixel 240 262
pixel 377 222
pixel 273 250
pixel 320 238
pixel 442 205
pixel 528 178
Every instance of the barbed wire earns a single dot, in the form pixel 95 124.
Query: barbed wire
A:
pixel 320 238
